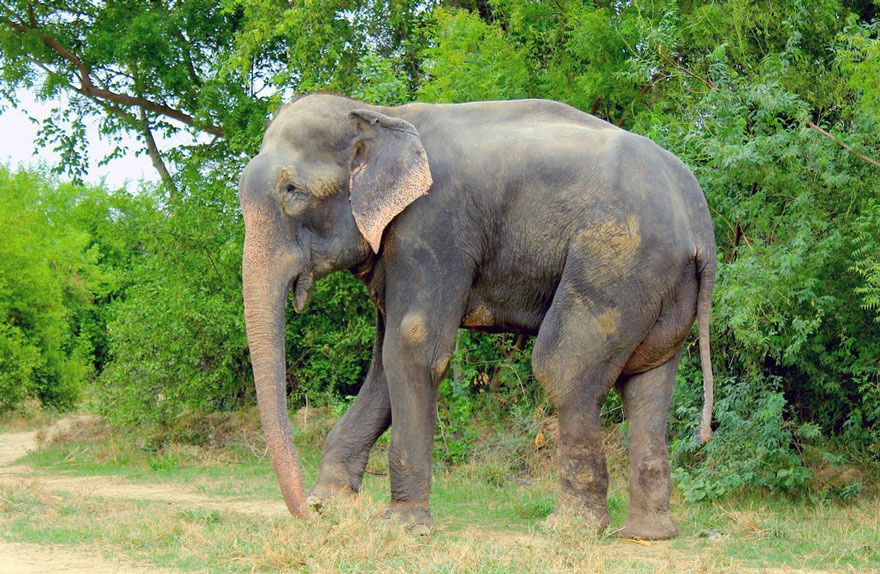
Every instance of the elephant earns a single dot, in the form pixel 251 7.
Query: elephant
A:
pixel 525 216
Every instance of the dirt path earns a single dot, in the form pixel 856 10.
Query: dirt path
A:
pixel 13 446
pixel 172 493
pixel 48 559
pixel 21 558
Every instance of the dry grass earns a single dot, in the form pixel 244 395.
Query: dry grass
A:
pixel 489 522
pixel 348 536
pixel 31 415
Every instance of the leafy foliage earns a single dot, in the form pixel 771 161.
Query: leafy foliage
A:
pixel 472 60
pixel 755 448
pixel 329 346
pixel 776 108
pixel 177 337
pixel 59 264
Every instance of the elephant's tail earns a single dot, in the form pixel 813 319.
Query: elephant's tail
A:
pixel 706 262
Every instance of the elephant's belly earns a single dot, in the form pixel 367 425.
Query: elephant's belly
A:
pixel 503 317
pixel 478 316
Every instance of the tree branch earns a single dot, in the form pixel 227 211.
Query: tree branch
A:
pixel 647 87
pixel 84 78
pixel 88 89
pixel 677 66
pixel 116 110
pixel 187 58
pixel 156 158
pixel 161 109
pixel 843 145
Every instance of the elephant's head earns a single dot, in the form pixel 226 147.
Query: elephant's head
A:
pixel 330 176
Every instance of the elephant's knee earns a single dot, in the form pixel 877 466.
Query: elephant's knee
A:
pixel 414 329
pixel 550 371
pixel 421 349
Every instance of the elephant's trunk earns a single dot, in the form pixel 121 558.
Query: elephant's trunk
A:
pixel 270 264
pixel 264 319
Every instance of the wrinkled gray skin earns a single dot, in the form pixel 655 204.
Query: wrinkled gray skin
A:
pixel 529 217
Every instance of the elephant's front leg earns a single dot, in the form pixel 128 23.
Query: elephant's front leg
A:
pixel 416 358
pixel 348 445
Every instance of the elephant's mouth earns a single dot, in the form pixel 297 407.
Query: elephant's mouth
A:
pixel 302 288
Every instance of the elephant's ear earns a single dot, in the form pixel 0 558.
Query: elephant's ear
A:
pixel 389 170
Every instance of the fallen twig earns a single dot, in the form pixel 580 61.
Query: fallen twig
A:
pixel 637 541
pixel 517 480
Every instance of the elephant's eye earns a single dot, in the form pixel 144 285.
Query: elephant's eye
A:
pixel 291 188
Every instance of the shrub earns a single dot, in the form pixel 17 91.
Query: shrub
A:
pixel 50 273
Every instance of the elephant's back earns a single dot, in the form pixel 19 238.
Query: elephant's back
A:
pixel 486 115
pixel 538 173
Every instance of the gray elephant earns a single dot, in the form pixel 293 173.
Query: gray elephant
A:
pixel 521 216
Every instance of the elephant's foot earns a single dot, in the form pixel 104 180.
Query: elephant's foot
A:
pixel 333 480
pixel 649 526
pixel 323 492
pixel 567 507
pixel 415 516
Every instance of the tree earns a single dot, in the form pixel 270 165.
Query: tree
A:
pixel 57 260
pixel 137 65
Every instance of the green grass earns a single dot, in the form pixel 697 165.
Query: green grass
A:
pixel 488 523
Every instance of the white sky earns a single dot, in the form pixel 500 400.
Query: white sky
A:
pixel 17 146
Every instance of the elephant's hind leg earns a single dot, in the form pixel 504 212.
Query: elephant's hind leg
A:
pixel 646 398
pixel 583 474
pixel 579 353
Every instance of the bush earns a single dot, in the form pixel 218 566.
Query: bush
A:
pixel 754 446
pixel 51 271
pixel 176 337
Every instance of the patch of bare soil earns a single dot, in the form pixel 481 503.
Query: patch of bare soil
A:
pixel 13 446
pixel 16 445
pixel 21 558
pixel 171 493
